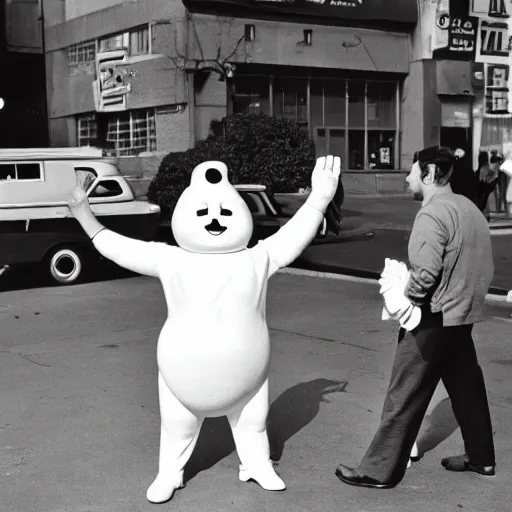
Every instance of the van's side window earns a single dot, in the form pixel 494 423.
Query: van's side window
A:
pixel 7 172
pixel 85 176
pixel 107 188
pixel 27 171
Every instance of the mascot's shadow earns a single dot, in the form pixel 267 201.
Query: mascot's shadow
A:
pixel 288 414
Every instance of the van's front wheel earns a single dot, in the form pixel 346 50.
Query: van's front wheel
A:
pixel 65 265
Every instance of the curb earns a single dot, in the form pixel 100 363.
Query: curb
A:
pixel 495 294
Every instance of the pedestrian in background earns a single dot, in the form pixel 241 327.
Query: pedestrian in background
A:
pixel 451 268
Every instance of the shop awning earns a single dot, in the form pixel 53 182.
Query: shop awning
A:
pixel 355 11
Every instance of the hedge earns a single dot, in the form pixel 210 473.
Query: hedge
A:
pixel 256 148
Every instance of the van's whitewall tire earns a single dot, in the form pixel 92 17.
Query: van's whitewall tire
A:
pixel 65 265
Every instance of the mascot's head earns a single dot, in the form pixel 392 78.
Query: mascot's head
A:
pixel 210 216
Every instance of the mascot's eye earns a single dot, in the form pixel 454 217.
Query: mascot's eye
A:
pixel 202 213
pixel 226 212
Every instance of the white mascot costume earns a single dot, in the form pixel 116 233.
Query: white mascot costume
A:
pixel 213 351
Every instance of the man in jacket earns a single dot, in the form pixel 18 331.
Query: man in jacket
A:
pixel 451 269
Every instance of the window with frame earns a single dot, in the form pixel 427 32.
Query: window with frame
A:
pixel 359 121
pixel 87 130
pixel 79 53
pixel 128 133
pixel 136 41
pixel 132 132
pixel 29 171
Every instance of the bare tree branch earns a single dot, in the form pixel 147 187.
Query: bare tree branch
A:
pixel 242 38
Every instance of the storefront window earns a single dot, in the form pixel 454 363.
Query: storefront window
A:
pixel 290 99
pixel 355 119
pixel 316 106
pixel 337 145
pixel 381 105
pixel 356 149
pixel 356 113
pixel 251 94
pixel 335 102
pixel 381 149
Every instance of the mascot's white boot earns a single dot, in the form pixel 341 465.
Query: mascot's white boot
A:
pixel 214 350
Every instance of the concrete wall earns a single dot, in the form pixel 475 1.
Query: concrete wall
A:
pixel 63 132
pixel 99 23
pixel 154 82
pixel 412 114
pixel 23 28
pixel 282 44
pixel 172 131
pixel 77 8
pixel 210 103
pixel 431 105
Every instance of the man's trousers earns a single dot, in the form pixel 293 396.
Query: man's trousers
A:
pixel 424 356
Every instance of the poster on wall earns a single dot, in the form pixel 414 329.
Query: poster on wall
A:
pixel 497 90
pixel 460 39
pixel 491 8
pixel 493 41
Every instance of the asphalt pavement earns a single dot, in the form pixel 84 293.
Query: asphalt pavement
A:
pixel 383 224
pixel 79 422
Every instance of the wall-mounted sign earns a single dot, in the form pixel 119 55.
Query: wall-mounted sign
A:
pixel 404 11
pixel 110 87
pixel 497 90
pixel 461 41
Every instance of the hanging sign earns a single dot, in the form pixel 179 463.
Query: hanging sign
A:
pixel 461 38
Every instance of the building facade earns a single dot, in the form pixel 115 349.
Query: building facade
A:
pixel 366 78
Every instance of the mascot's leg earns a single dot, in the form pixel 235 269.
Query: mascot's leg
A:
pixel 179 432
pixel 249 431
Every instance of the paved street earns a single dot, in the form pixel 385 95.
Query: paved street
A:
pixel 389 219
pixel 79 423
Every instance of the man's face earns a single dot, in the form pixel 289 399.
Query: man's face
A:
pixel 414 182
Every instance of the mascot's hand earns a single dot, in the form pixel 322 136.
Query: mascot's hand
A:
pixel 324 181
pixel 78 202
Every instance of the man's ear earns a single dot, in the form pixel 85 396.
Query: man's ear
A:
pixel 429 178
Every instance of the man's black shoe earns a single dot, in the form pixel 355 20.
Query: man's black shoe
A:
pixel 462 463
pixel 353 477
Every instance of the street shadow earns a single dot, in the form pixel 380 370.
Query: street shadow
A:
pixel 288 414
pixel 351 213
pixel 438 426
pixel 31 277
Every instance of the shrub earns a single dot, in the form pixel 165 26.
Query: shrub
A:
pixel 256 148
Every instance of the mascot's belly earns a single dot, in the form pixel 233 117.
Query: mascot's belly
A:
pixel 212 362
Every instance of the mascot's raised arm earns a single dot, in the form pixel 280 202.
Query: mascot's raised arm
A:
pixel 213 352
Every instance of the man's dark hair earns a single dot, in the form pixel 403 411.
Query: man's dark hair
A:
pixel 442 157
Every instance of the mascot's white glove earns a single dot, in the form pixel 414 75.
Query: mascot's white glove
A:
pixel 324 182
pixel 397 306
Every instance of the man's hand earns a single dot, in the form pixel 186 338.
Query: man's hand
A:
pixel 79 206
pixel 324 181
pixel 78 202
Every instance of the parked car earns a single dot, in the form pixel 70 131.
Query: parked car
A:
pixel 36 225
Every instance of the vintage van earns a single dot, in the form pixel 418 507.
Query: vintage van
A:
pixel 36 225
